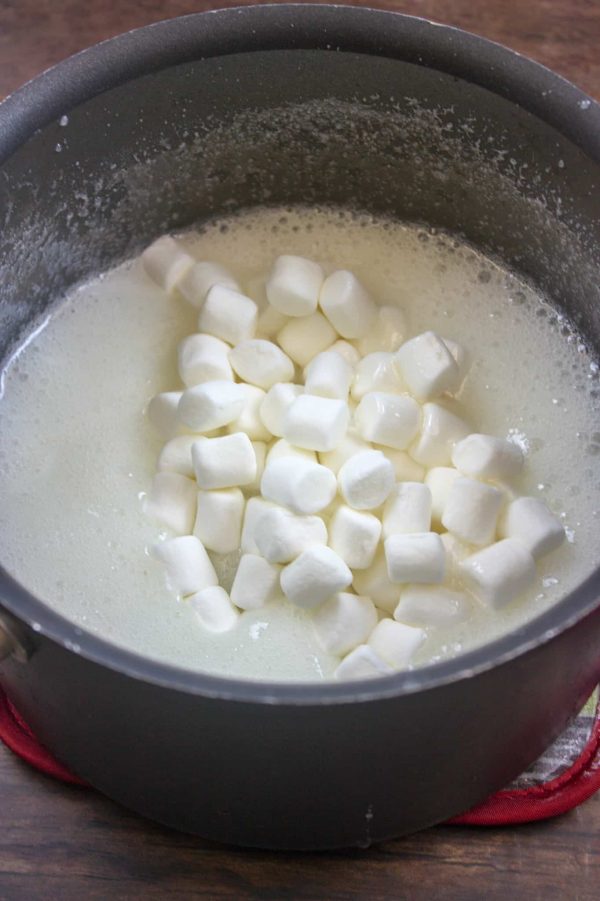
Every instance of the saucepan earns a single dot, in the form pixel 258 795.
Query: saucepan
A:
pixel 162 127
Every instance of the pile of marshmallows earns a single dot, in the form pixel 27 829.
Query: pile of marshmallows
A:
pixel 355 494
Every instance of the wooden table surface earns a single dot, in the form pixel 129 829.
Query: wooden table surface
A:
pixel 65 843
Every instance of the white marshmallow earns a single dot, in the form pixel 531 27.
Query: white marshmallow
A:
pixel 224 462
pixel 405 468
pixel 166 262
pixel 395 643
pixel 374 582
pixel 499 573
pixel 347 304
pixel 273 408
pixel 440 430
pixel 487 457
pixel 302 338
pixel 361 663
pixel 366 479
pixel 294 284
pixel 471 510
pixel 214 609
pixel 219 519
pixel 460 357
pixel 255 508
pixel 417 557
pixel 386 333
pixel 283 448
pixel 328 375
pixel 432 606
pixel 529 521
pixel 162 413
pixel 228 315
pixel 349 445
pixel 172 501
pixel 427 366
pixel 211 405
pixel 456 551
pixel 440 480
pixel 408 509
pixel 347 351
pixel 260 452
pixel 316 423
pixel 261 363
pixel 203 358
pixel 201 277
pixel 301 485
pixel 389 419
pixel 256 582
pixel 354 536
pixel 250 420
pixel 343 622
pixel 176 456
pixel 280 535
pixel 188 566
pixel 377 372
pixel 314 576
pixel 270 321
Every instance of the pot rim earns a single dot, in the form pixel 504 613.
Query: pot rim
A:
pixel 328 28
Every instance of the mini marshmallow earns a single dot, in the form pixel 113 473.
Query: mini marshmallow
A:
pixel 301 485
pixel 224 462
pixel 302 338
pixel 456 551
pixel 214 609
pixel 347 304
pixel 188 566
pixel 283 448
pixel 471 510
pixel 440 480
pixel 314 576
pixel 250 420
pixel 529 521
pixel 427 366
pixel 176 456
pixel 366 479
pixel 261 363
pixel 315 423
pixel 349 445
pixel 280 535
pixel 387 332
pixel 374 582
pixel 405 468
pixel 162 413
pixel 440 430
pixel 203 358
pixel 417 557
pixel 294 284
pixel 201 277
pixel 219 519
pixel 344 622
pixel 166 262
pixel 328 375
pixel 407 509
pixel 228 315
pixel 347 351
pixel 172 501
pixel 211 405
pixel 487 457
pixel 260 452
pixel 499 573
pixel 277 400
pixel 395 642
pixel 270 321
pixel 389 419
pixel 255 508
pixel 361 663
pixel 256 582
pixel 354 536
pixel 377 372
pixel 432 606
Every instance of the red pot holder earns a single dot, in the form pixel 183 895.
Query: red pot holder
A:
pixel 566 775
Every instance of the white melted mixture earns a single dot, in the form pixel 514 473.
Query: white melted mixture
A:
pixel 76 450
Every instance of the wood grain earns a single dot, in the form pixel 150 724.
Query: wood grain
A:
pixel 65 843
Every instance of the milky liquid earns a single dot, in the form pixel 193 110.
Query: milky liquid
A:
pixel 76 450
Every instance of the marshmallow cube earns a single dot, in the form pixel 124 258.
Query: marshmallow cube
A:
pixel 432 606
pixel 471 510
pixel 162 413
pixel 219 519
pixel 214 609
pixel 166 262
pixel 316 423
pixel 201 277
pixel 302 338
pixel 487 457
pixel 280 535
pixel 361 663
pixel 228 315
pixel 270 321
pixel 176 456
pixel 256 582
pixel 387 332
pixel 529 521
pixel 172 501
pixel 500 573
pixel 203 358
pixel 374 582
pixel 440 480
pixel 294 285
pixel 344 622
pixel 347 304
pixel 417 557
pixel 211 405
pixel 328 375
pixel 188 566
pixel 405 468
pixel 349 446
pixel 440 431
pixel 314 576
pixel 408 509
pixel 255 508
pixel 224 462
pixel 377 372
pixel 301 485
pixel 277 400
pixel 261 363
pixel 366 479
pixel 354 536
pixel 250 420
pixel 395 642
pixel 347 351
pixel 389 419
pixel 427 366
pixel 283 448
